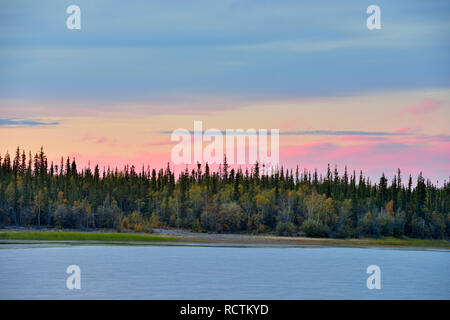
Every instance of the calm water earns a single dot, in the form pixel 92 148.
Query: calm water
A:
pixel 192 272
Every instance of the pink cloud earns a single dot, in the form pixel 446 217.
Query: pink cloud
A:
pixel 87 137
pixel 160 143
pixel 425 106
pixel 412 154
pixel 101 140
pixel 405 130
pixel 356 138
pixel 289 125
pixel 432 158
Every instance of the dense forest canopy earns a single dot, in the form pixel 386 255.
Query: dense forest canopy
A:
pixel 287 202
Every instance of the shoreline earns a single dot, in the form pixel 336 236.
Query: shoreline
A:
pixel 183 237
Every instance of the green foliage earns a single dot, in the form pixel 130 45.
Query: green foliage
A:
pixel 34 192
pixel 229 217
pixel 286 229
pixel 315 229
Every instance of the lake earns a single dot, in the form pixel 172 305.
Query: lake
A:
pixel 214 272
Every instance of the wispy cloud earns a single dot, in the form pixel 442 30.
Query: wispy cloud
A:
pixel 373 158
pixel 18 123
pixel 425 106
pixel 159 143
pixel 305 133
pixel 342 133
pixel 102 140
pixel 235 47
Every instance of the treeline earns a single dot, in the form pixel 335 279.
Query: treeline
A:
pixel 287 202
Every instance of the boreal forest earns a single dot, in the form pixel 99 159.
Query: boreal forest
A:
pixel 34 192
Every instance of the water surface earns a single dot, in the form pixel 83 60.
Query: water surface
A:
pixel 197 272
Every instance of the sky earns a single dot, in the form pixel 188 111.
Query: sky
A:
pixel 111 92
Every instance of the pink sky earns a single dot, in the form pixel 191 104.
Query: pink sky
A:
pixel 135 132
